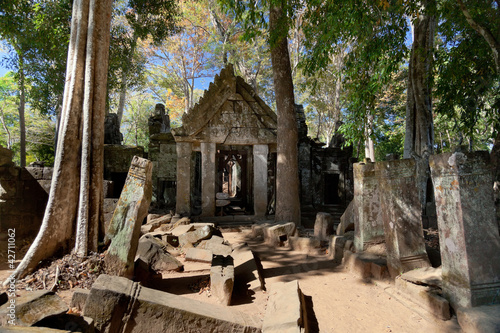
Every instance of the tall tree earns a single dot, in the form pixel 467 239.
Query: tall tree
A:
pixel 69 211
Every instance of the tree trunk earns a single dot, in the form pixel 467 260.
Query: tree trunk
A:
pixel 287 178
pixel 6 129
pixel 58 225
pixel 124 86
pixel 419 136
pixel 22 104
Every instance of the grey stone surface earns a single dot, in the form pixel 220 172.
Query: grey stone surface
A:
pixel 201 255
pixel 195 236
pixel 305 244
pixel 468 231
pixel 222 278
pixel 183 197
pixel 402 215
pixel 119 305
pixel 275 234
pixel 323 225
pixel 32 307
pixel 368 224
pixel 260 154
pixel 208 171
pixel 284 309
pixel 248 272
pixel 336 248
pixel 6 156
pixel 151 255
pixel 125 227
pixel 79 298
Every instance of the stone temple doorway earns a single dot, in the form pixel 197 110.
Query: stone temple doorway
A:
pixel 234 179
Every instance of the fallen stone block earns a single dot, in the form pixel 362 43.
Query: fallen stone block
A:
pixel 277 234
pixel 323 225
pixel 347 219
pixel 222 278
pixel 258 230
pixel 32 307
pixel 201 255
pixel 216 245
pixel 284 312
pixel 336 248
pixel 119 305
pixel 125 227
pixel 480 319
pixel 182 229
pixel 366 265
pixel 195 236
pixel 79 298
pixel 305 244
pixel 248 271
pixel 155 223
pixel 428 298
pixel 151 255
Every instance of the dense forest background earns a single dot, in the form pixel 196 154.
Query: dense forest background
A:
pixel 349 64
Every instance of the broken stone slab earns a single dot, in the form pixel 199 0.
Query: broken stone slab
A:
pixel 216 245
pixel 480 319
pixel 427 276
pixel 278 234
pixel 200 255
pixel 347 219
pixel 258 230
pixel 125 227
pixel 222 278
pixel 151 255
pixel 426 297
pixel 284 313
pixel 305 244
pixel 119 305
pixel 195 236
pixel 366 265
pixel 401 215
pixel 248 270
pixel 468 230
pixel 155 223
pixel 336 248
pixel 79 298
pixel 182 229
pixel 323 225
pixel 32 307
pixel 222 196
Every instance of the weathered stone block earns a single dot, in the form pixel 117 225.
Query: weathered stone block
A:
pixel 33 307
pixel 222 278
pixel 368 225
pixel 248 271
pixel 402 216
pixel 201 255
pixel 468 231
pixel 481 319
pixel 5 156
pixel 276 234
pixel 79 298
pixel 195 236
pixel 323 226
pixel 305 244
pixel 152 256
pixel 284 312
pixel 119 305
pixel 336 248
pixel 125 227
pixel 347 219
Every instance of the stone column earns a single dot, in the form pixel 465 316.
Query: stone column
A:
pixel 260 179
pixel 401 215
pixel 183 199
pixel 208 178
pixel 468 232
pixel 368 226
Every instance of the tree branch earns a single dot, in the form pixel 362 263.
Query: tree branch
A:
pixel 483 31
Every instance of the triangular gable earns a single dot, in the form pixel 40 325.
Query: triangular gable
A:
pixel 230 112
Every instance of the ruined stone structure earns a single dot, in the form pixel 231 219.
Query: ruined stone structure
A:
pixel 224 145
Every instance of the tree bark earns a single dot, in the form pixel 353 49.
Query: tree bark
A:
pixel 58 225
pixel 419 135
pixel 287 178
pixel 22 105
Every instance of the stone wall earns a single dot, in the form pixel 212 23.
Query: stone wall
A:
pixel 23 197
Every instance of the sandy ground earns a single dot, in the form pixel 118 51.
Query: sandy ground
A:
pixel 341 301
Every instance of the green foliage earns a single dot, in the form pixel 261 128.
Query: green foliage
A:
pixel 135 120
